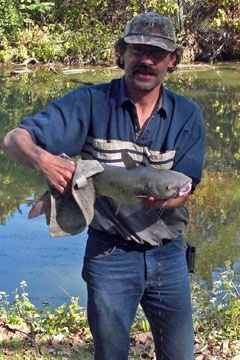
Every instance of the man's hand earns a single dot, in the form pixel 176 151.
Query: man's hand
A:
pixel 165 203
pixel 58 171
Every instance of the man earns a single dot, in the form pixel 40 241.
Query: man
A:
pixel 134 254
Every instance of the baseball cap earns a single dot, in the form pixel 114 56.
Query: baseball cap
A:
pixel 151 28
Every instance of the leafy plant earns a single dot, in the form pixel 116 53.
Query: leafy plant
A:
pixel 66 319
pixel 43 25
pixel 140 322
pixel 218 310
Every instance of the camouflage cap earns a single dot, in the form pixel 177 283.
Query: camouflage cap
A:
pixel 151 29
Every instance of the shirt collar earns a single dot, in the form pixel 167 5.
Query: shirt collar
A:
pixel 164 102
pixel 122 94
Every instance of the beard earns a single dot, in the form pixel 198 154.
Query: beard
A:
pixel 144 83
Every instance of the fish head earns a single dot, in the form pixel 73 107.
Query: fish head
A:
pixel 168 184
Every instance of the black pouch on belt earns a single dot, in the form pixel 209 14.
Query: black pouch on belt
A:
pixel 191 256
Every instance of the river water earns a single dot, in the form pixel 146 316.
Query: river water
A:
pixel 52 267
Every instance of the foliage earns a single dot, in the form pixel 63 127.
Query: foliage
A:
pixel 212 29
pixel 66 319
pixel 227 14
pixel 165 6
pixel 11 17
pixel 140 322
pixel 60 30
pixel 218 311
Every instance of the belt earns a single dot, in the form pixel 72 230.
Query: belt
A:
pixel 132 245
pixel 124 244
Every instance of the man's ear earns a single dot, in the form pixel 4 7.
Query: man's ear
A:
pixel 172 61
pixel 121 61
pixel 121 58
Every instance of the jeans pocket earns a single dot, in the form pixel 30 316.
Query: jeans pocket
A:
pixel 97 247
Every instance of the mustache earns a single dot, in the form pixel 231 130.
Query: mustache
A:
pixel 144 69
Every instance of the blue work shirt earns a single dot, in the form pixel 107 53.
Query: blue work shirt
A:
pixel 98 123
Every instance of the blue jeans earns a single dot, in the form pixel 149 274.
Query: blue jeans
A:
pixel 119 277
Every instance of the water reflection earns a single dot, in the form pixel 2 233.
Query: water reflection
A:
pixel 46 264
pixel 51 267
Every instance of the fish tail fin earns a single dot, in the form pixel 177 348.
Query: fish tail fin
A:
pixel 40 207
pixel 36 210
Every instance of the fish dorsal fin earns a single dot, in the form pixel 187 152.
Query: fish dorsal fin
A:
pixel 128 161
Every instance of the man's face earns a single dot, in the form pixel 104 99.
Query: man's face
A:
pixel 146 66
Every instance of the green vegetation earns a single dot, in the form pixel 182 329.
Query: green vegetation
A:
pixel 66 319
pixel 214 226
pixel 53 332
pixel 83 32
pixel 218 311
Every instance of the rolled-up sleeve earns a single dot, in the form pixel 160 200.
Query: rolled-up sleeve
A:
pixel 63 126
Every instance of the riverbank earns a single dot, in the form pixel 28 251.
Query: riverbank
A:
pixel 16 344
pixel 63 333
pixel 11 69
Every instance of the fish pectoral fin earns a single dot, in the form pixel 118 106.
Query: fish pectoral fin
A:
pixel 118 208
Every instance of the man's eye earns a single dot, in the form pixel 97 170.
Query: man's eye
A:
pixel 155 53
pixel 159 54
pixel 139 51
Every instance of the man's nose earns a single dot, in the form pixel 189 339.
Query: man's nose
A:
pixel 147 59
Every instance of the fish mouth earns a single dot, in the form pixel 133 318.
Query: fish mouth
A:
pixel 186 189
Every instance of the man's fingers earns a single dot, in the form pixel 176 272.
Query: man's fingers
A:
pixel 154 203
pixel 60 180
pixel 59 172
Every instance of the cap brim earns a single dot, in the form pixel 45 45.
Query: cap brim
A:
pixel 150 40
